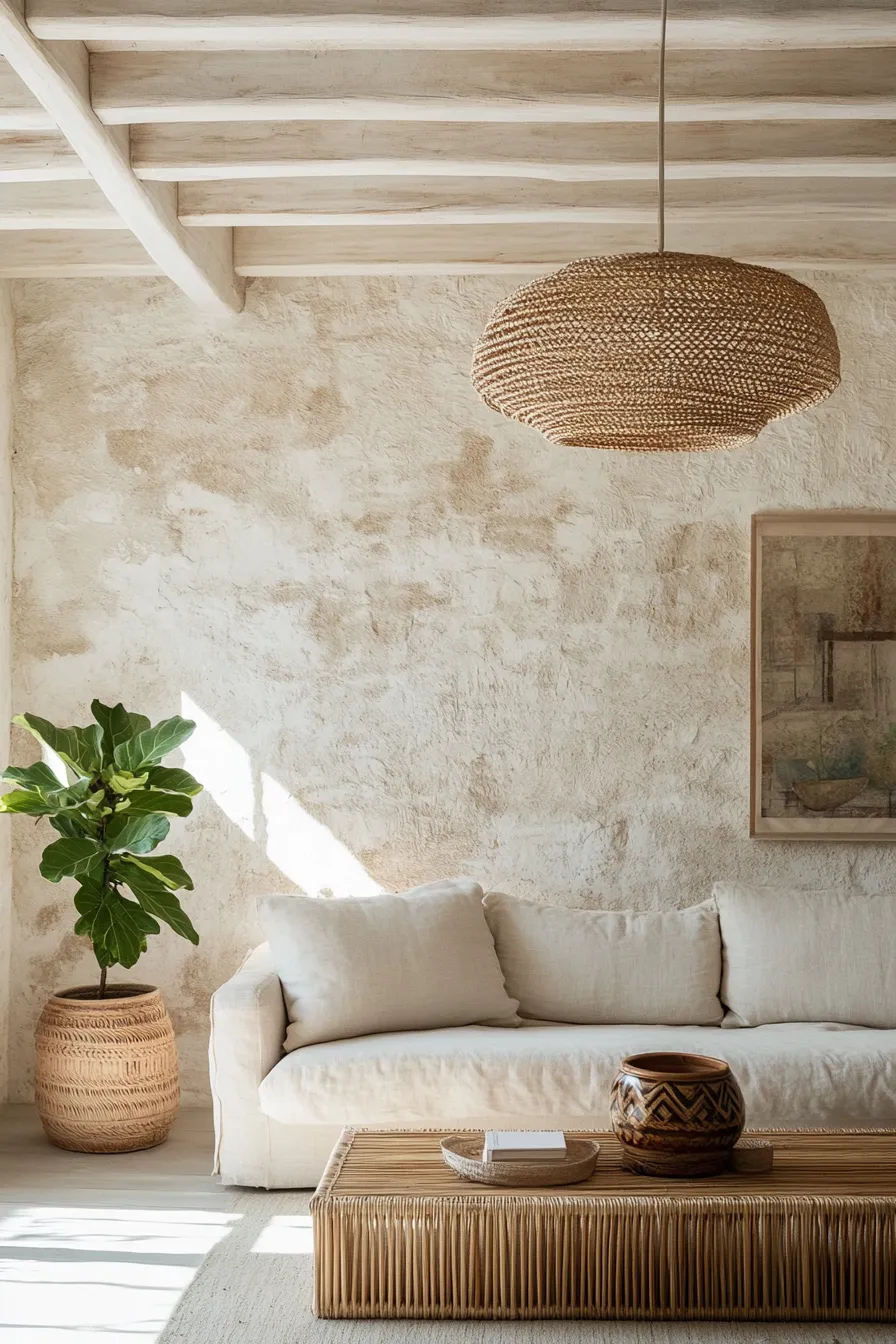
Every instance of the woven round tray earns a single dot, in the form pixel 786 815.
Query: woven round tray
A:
pixel 465 1157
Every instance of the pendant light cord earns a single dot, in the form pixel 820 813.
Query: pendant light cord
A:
pixel 661 137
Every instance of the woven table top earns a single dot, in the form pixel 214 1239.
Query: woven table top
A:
pixel 850 1165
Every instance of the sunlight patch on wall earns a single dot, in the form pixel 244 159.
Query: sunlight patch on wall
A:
pixel 306 851
pixel 222 765
pixel 303 848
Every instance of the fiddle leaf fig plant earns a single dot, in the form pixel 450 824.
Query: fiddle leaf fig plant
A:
pixel 110 813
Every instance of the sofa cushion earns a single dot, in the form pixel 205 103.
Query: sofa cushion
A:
pixel 424 958
pixel 592 966
pixel 807 956
pixel 792 1076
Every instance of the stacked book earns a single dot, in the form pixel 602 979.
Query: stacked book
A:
pixel 524 1145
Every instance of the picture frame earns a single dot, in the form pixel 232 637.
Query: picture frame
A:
pixel 823 676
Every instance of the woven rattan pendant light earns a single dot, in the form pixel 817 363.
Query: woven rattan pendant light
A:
pixel 657 351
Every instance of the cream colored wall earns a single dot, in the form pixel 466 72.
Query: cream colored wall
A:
pixel 421 640
pixel 7 368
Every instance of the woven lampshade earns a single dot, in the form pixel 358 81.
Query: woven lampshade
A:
pixel 657 352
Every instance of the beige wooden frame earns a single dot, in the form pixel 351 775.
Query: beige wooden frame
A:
pixel 832 522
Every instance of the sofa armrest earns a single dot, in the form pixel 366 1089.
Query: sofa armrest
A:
pixel 248 1027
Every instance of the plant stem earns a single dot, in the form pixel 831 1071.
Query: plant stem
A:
pixel 104 969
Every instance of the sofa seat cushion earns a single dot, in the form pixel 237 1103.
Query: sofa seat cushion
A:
pixel 796 1075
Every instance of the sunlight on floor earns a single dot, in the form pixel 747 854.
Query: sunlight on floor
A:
pixel 286 1235
pixel 98 1275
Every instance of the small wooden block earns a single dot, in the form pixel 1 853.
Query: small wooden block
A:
pixel 752 1155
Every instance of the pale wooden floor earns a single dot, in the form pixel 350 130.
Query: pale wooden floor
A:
pixel 98 1249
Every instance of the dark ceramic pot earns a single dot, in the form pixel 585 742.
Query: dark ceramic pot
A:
pixel 676 1115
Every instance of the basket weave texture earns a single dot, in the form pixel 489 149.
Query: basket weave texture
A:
pixel 657 352
pixel 397 1235
pixel 106 1078
pixel 464 1155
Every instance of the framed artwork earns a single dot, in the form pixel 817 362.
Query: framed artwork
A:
pixel 823 740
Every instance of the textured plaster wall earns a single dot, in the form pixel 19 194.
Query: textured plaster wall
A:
pixel 421 640
pixel 7 365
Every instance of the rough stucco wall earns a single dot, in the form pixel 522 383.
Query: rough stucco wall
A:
pixel 7 367
pixel 458 648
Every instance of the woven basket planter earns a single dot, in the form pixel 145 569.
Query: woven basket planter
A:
pixel 657 352
pixel 106 1079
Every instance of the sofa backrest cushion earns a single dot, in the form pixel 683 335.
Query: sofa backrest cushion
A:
pixel 595 966
pixel 352 967
pixel 807 956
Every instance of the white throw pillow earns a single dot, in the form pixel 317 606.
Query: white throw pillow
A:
pixel 807 956
pixel 353 967
pixel 594 966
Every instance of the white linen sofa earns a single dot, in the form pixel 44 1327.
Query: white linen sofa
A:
pixel 790 956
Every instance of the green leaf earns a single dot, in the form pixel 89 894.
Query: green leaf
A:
pixel 116 926
pixel 150 800
pixel 115 726
pixel 50 803
pixel 38 777
pixel 138 833
pixel 167 869
pixel 123 781
pixel 72 824
pixel 173 781
pixel 23 800
pixel 71 858
pixel 79 747
pixel 71 795
pixel 156 899
pixel 148 747
pixel 88 897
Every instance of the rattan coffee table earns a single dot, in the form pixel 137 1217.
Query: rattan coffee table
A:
pixel 397 1234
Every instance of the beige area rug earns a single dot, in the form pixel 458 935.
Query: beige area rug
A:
pixel 255 1287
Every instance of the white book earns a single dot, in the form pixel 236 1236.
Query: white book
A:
pixel 524 1145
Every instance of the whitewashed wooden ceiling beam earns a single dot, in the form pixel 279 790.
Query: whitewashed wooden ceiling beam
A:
pixel 568 153
pixel 64 254
pixel 368 202
pixel 19 109
pixel 440 25
pixel 128 87
pixel 449 249
pixel 57 76
pixel 39 156
pixel 55 205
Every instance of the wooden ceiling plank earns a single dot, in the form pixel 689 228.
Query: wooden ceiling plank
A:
pixel 39 156
pixel 57 76
pixel 567 153
pixel 65 254
pixel 371 202
pixel 446 249
pixel 55 205
pixel 443 25
pixel 19 109
pixel 130 87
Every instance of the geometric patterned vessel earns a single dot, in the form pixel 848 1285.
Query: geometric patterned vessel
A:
pixel 676 1115
pixel 106 1078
